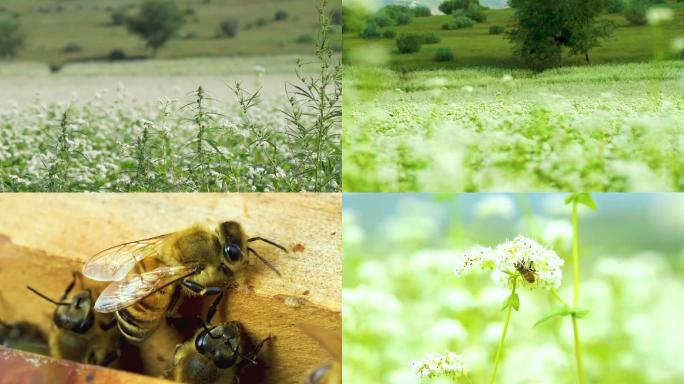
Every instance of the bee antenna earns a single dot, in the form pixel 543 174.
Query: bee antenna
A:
pixel 206 328
pixel 267 241
pixel 45 297
pixel 268 264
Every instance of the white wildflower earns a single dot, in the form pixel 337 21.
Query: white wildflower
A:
pixel 495 206
pixel 656 16
pixel 449 365
pixel 677 44
pixel 541 267
pixel 473 258
pixel 507 78
pixel 543 264
pixel 468 88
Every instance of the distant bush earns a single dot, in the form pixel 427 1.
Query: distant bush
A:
pixel 118 16
pixel 496 29
pixel 403 19
pixel 280 15
pixel 116 55
pixel 12 37
pixel 476 12
pixel 421 11
pixel 462 21
pixel 382 20
pixel 449 6
pixel 305 39
pixel 409 42
pixel 229 27
pixel 336 16
pixel 261 22
pixel 431 37
pixel 190 35
pixel 389 34
pixel 636 14
pixel 190 12
pixel 73 47
pixel 372 31
pixel 446 26
pixel 444 54
pixel 615 6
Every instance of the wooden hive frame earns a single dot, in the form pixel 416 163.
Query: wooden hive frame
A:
pixel 44 237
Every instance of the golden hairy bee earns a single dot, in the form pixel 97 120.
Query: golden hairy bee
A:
pixel 215 354
pixel 526 271
pixel 149 276
pixel 80 334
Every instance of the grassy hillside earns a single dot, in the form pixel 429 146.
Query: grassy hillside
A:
pixel 52 24
pixel 476 47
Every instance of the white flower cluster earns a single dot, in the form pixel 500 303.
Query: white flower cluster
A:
pixel 535 265
pixel 434 365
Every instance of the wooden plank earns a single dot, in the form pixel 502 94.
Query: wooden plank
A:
pixel 43 237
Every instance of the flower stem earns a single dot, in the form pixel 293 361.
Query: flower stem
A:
pixel 468 379
pixel 503 336
pixel 575 299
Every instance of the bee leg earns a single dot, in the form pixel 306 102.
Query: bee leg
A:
pixel 250 358
pixel 172 310
pixel 110 358
pixel 200 289
pixel 69 287
pixel 267 241
pixel 106 326
pixel 212 309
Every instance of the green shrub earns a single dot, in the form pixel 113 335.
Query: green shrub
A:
pixel 382 20
pixel 409 42
pixel 431 37
pixel 636 14
pixel 389 34
pixel 446 26
pixel 444 54
pixel 116 55
pixel 280 15
pixel 496 29
pixel 421 11
pixel 476 12
pixel 73 47
pixel 118 16
pixel 229 27
pixel 12 37
pixel 305 39
pixel 462 21
pixel 372 31
pixel 615 6
pixel 403 19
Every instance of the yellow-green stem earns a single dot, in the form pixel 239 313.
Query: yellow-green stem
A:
pixel 575 299
pixel 503 335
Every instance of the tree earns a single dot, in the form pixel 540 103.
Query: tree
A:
pixel 541 29
pixel 156 22
pixel 449 6
pixel 12 38
pixel 229 27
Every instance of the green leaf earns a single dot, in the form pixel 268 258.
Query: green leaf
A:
pixel 581 198
pixel 515 301
pixel 506 302
pixel 560 311
pixel 580 312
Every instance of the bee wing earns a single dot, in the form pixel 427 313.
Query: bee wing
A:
pixel 113 264
pixel 123 293
pixel 331 341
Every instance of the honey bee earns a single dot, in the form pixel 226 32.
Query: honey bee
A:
pixel 24 336
pixel 81 334
pixel 148 276
pixel 330 373
pixel 527 271
pixel 215 354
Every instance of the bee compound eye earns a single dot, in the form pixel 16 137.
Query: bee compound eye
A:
pixel 233 252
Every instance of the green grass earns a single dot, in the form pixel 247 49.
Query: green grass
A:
pixel 476 47
pixel 599 128
pixel 51 24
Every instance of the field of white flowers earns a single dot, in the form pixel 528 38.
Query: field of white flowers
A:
pixel 238 140
pixel 406 294
pixel 599 128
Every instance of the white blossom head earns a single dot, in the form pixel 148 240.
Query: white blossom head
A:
pixel 524 260
pixel 536 265
pixel 449 365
